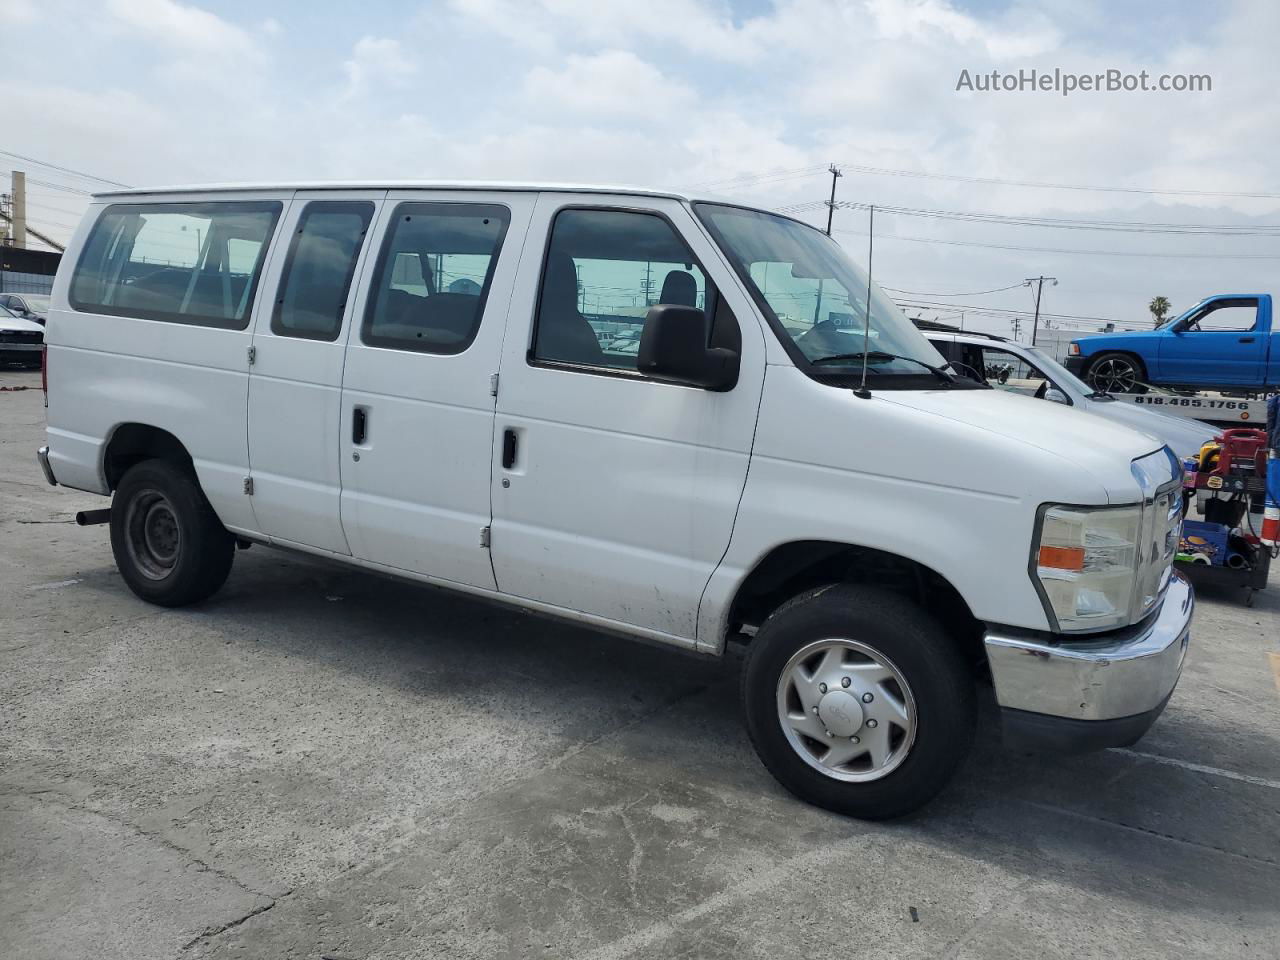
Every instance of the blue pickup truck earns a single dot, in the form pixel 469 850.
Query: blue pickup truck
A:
pixel 1226 342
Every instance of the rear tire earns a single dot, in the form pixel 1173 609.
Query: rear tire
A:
pixel 1116 372
pixel 896 688
pixel 168 543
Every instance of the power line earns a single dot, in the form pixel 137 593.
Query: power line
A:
pixel 1091 253
pixel 751 179
pixel 54 166
pixel 973 293
pixel 60 186
pixel 1118 226
pixel 998 181
pixel 1008 312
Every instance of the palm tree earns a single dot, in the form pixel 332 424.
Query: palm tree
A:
pixel 1159 307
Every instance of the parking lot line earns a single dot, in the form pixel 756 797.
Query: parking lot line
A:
pixel 1200 767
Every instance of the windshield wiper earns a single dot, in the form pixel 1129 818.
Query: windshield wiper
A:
pixel 881 356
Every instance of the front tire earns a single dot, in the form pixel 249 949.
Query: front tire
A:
pixel 857 701
pixel 168 543
pixel 1117 373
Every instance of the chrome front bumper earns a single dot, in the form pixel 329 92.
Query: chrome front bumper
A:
pixel 1126 674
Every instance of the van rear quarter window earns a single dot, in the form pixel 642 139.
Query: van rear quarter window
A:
pixel 433 276
pixel 193 263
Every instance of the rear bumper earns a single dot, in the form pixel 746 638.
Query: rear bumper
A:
pixel 1082 694
pixel 43 456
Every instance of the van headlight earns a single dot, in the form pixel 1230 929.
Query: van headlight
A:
pixel 1085 565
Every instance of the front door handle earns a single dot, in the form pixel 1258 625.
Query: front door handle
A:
pixel 1247 339
pixel 359 425
pixel 508 449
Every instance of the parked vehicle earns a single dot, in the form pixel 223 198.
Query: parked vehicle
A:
pixel 29 306
pixel 1033 372
pixel 1226 342
pixel 21 341
pixel 295 366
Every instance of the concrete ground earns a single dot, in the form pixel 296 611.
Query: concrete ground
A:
pixel 319 763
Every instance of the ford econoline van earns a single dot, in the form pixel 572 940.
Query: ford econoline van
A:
pixel 653 414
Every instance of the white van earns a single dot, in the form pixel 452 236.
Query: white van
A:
pixel 655 415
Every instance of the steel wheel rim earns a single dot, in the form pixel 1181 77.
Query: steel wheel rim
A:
pixel 1115 376
pixel 855 731
pixel 152 534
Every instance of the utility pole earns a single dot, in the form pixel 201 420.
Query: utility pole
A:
pixel 1039 282
pixel 1017 327
pixel 19 191
pixel 831 204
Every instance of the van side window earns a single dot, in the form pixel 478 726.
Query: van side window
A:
pixel 433 276
pixel 196 263
pixel 317 276
pixel 604 270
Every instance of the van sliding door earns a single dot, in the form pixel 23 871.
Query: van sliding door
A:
pixel 417 400
pixel 295 379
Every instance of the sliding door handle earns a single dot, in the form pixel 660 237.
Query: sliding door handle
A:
pixel 508 449
pixel 359 425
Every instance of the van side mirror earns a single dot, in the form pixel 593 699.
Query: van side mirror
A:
pixel 674 347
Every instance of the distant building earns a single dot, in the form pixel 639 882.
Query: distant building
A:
pixel 27 271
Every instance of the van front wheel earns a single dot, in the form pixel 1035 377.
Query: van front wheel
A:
pixel 168 543
pixel 857 701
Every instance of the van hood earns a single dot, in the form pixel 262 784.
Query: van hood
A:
pixel 1099 447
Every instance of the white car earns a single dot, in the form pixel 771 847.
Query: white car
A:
pixel 1034 373
pixel 297 366
pixel 21 340
pixel 29 306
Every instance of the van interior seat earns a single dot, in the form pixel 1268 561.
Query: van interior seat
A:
pixel 679 288
pixel 563 333
pixel 451 317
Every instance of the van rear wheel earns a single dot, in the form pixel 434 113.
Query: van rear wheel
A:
pixel 858 701
pixel 168 543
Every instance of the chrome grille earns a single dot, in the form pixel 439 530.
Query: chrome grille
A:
pixel 21 336
pixel 1160 476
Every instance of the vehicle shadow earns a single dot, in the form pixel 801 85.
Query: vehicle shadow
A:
pixel 1112 824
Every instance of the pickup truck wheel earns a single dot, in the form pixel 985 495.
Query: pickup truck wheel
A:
pixel 857 701
pixel 168 543
pixel 1116 373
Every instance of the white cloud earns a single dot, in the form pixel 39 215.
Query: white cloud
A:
pixel 376 60
pixel 17 11
pixel 182 25
pixel 680 91
pixel 613 83
pixel 509 20
pixel 692 26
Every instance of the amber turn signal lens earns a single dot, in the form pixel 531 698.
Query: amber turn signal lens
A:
pixel 1062 558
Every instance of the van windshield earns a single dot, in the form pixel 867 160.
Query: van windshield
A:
pixel 816 298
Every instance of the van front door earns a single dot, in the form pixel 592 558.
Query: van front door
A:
pixel 417 401
pixel 295 378
pixel 614 494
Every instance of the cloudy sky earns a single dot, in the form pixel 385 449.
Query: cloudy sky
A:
pixel 752 99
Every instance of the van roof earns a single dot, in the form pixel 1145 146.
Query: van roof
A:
pixel 478 185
